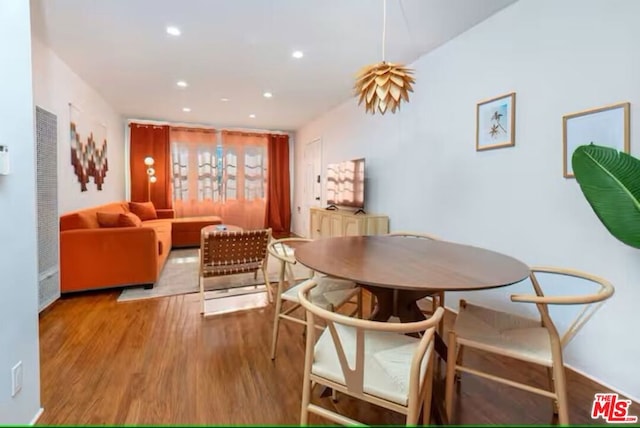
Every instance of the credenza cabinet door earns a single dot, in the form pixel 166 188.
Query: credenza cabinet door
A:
pixel 353 226
pixel 328 223
pixel 335 225
pixel 315 231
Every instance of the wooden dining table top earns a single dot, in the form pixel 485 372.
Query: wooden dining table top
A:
pixel 411 263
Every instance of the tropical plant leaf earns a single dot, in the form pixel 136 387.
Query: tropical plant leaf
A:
pixel 610 181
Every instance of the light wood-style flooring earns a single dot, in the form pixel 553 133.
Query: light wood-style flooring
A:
pixel 158 361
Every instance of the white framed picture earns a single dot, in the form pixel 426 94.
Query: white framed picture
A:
pixel 604 126
pixel 496 122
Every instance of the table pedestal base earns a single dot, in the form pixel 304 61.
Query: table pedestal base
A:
pixel 404 305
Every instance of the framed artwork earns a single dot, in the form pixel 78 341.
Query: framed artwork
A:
pixel 604 126
pixel 496 122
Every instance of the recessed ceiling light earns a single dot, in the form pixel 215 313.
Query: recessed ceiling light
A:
pixel 224 99
pixel 182 84
pixel 297 54
pixel 267 95
pixel 174 31
pixel 186 109
pixel 252 116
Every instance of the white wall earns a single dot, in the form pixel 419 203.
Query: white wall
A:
pixel 18 252
pixel 423 170
pixel 55 85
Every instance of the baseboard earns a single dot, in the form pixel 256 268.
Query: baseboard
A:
pixel 582 373
pixel 48 304
pixel 604 384
pixel 37 416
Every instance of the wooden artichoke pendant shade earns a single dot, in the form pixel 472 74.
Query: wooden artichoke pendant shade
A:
pixel 383 86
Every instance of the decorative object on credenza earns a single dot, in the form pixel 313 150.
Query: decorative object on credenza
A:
pixel 605 126
pixel 384 85
pixel 610 181
pixel 151 174
pixel 496 122
pixel 88 149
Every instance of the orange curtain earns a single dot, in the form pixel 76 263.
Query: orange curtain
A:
pixel 195 167
pixel 278 204
pixel 150 140
pixel 245 157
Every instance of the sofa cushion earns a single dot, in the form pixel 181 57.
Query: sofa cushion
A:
pixel 106 219
pixel 144 210
pixel 74 221
pixel 87 218
pixel 130 220
pixel 186 230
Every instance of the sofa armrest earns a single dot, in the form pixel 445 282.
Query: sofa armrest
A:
pixel 107 257
pixel 166 213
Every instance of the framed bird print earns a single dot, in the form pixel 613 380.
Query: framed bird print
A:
pixel 496 122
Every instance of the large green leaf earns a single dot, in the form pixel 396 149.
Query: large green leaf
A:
pixel 610 180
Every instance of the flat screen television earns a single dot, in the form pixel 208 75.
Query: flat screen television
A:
pixel 345 184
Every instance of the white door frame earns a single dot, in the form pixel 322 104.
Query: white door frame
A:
pixel 312 176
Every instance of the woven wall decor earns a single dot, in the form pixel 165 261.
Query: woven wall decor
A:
pixel 88 151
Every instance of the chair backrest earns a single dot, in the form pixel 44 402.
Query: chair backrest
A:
pixel 354 376
pixel 229 252
pixel 592 301
pixel 415 235
pixel 281 250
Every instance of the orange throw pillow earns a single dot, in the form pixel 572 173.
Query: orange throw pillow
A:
pixel 130 220
pixel 144 210
pixel 73 221
pixel 106 219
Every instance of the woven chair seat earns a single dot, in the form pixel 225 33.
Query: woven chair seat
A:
pixel 330 292
pixel 387 360
pixel 503 333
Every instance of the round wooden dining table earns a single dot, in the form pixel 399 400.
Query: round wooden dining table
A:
pixel 400 270
pixel 415 267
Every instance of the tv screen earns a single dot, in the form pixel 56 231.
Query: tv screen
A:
pixel 345 183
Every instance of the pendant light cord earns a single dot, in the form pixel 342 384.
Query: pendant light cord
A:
pixel 384 27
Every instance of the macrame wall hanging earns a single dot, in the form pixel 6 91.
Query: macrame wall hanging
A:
pixel 88 149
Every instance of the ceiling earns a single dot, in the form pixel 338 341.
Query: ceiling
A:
pixel 238 49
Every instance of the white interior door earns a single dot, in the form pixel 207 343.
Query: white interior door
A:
pixel 312 180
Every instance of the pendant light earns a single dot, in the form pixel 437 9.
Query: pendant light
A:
pixel 384 85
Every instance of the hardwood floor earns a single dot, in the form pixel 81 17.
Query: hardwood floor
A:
pixel 157 361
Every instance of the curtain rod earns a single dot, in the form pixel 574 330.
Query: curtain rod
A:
pixel 194 129
pixel 146 125
pixel 188 125
pixel 246 134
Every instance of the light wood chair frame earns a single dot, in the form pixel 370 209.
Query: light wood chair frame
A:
pixel 286 263
pixel 237 264
pixel 437 298
pixel 555 371
pixel 420 390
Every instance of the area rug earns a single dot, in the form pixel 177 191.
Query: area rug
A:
pixel 180 276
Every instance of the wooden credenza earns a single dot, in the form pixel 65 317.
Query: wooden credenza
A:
pixel 327 223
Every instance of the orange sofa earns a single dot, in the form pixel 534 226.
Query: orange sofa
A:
pixel 93 257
